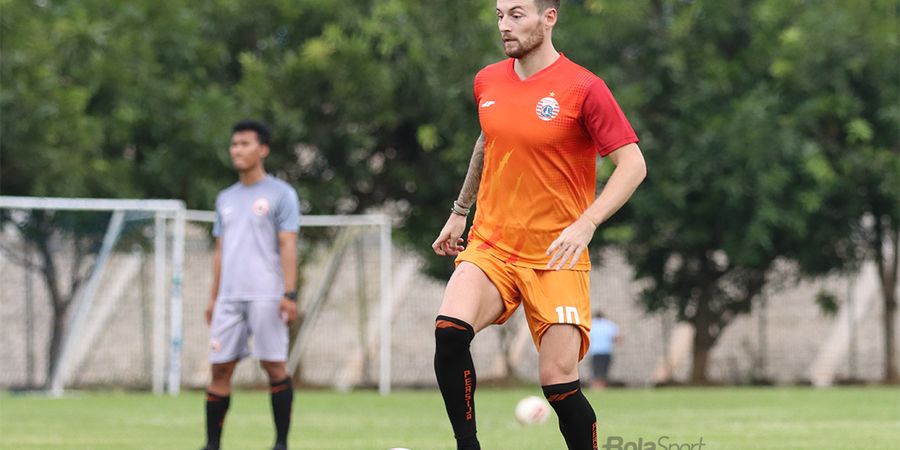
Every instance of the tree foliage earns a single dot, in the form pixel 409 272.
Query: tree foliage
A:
pixel 769 126
pixel 770 131
pixel 839 76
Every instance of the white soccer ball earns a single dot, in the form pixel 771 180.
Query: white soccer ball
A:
pixel 532 410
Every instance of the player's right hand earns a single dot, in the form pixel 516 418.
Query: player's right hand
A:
pixel 449 241
pixel 209 311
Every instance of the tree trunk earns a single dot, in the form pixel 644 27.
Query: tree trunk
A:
pixel 703 342
pixel 59 323
pixel 889 274
pixel 890 360
pixel 58 305
pixel 888 266
pixel 41 233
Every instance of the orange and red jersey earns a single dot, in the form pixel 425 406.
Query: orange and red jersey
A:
pixel 542 136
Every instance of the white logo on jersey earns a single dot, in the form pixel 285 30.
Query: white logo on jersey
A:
pixel 487 104
pixel 547 108
pixel 260 207
pixel 226 210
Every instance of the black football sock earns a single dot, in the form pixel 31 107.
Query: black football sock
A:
pixel 455 374
pixel 216 408
pixel 577 421
pixel 282 399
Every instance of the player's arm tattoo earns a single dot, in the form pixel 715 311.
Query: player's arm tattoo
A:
pixel 473 176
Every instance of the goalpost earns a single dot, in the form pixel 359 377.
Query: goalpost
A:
pixel 385 275
pixel 84 298
pixel 103 311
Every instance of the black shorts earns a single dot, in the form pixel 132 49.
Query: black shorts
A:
pixel 600 363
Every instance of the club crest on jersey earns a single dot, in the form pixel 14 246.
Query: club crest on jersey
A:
pixel 260 207
pixel 547 108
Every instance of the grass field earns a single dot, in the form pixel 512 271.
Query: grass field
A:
pixel 726 418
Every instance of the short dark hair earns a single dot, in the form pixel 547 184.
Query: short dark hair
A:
pixel 542 5
pixel 262 130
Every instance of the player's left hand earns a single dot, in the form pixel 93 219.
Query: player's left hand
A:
pixel 288 310
pixel 567 248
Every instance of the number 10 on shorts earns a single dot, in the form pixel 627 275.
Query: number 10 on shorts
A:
pixel 567 314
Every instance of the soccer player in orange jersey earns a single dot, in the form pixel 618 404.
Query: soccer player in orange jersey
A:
pixel 544 120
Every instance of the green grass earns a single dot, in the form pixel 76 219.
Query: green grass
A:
pixel 726 418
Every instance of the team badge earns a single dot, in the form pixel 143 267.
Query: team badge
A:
pixel 215 346
pixel 261 207
pixel 547 108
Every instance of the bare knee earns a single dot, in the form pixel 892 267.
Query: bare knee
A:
pixel 221 377
pixel 223 371
pixel 558 355
pixel 557 371
pixel 276 370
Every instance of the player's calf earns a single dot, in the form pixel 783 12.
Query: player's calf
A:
pixel 455 374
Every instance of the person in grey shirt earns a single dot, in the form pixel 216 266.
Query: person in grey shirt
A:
pixel 254 281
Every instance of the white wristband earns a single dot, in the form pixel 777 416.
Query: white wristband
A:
pixel 459 210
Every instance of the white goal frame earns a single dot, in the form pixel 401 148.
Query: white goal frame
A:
pixel 385 274
pixel 162 209
pixel 175 211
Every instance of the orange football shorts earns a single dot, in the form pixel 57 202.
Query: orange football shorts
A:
pixel 549 297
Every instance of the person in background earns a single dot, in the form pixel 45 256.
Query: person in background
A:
pixel 254 290
pixel 604 336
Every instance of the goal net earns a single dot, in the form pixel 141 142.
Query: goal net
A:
pixel 342 338
pixel 111 293
pixel 86 286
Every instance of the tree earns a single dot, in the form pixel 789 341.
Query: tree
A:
pixel 52 234
pixel 739 173
pixel 372 109
pixel 95 107
pixel 136 100
pixel 47 140
pixel 374 104
pixel 839 73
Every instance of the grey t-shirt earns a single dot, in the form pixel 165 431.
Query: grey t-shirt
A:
pixel 248 219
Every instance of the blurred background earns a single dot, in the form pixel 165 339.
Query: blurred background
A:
pixel 761 249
